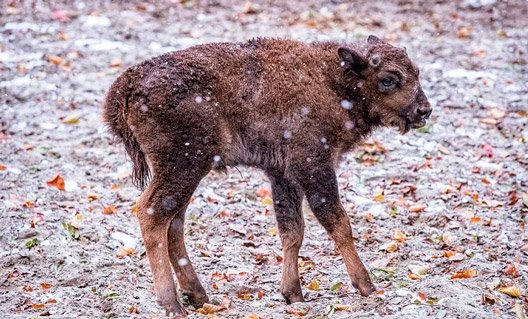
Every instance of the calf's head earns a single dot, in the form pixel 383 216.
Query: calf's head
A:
pixel 384 77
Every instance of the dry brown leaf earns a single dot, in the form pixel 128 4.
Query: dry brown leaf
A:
pixel 125 251
pixel 3 167
pixel 263 192
pixel 55 59
pixel 45 286
pixel 92 197
pixel 314 285
pixel 417 208
pixel 511 291
pixel 298 313
pixel 343 307
pixel 390 247
pixel 109 210
pixel 399 235
pixel 252 316
pixel 468 273
pixel 379 197
pixel 51 300
pixel 208 308
pixel 443 150
pixel 57 182
pixel 38 306
pixel 29 204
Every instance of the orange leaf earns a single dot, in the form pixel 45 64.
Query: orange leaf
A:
pixel 417 208
pixel 38 306
pixel 92 197
pixel 57 182
pixel 55 59
pixel 422 296
pixel 51 300
pixel 264 192
pixel 208 308
pixel 314 285
pixel 45 286
pixel 475 219
pixel 379 197
pixel 511 271
pixel 252 316
pixel 399 236
pixel 3 167
pixel 468 273
pixel 29 204
pixel 109 210
pixel 125 251
pixel 299 313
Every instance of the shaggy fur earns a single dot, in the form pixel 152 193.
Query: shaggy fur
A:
pixel 286 107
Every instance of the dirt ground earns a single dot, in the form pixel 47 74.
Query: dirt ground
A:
pixel 440 214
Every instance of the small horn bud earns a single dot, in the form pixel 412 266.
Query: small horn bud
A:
pixel 375 61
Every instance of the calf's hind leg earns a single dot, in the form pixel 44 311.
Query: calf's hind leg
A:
pixel 162 215
pixel 187 278
pixel 154 221
pixel 287 198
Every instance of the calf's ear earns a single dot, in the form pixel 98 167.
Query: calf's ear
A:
pixel 351 60
pixel 372 39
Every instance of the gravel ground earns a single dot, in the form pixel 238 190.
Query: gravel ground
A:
pixel 444 202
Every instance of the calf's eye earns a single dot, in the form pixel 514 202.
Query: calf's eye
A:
pixel 387 82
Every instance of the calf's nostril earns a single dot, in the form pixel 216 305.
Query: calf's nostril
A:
pixel 422 112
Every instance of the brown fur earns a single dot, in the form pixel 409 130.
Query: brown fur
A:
pixel 284 106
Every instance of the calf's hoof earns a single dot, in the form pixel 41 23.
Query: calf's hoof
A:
pixel 292 296
pixel 173 309
pixel 195 299
pixel 366 288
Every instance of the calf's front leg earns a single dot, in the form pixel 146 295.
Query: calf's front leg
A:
pixel 320 186
pixel 287 199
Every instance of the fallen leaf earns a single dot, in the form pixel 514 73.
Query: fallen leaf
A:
pixel 38 306
pixel 273 231
pixel 422 296
pixel 417 208
pixel 339 307
pixel 419 269
pixel 3 167
pixel 252 316
pixel 336 286
pixel 468 273
pixel 57 182
pixel 314 285
pixel 511 291
pixel 379 197
pixel 443 150
pixel 457 257
pixel 45 286
pixel 55 59
pixel 298 313
pixel 109 210
pixel 51 300
pixel 399 236
pixel 208 308
pixel 519 311
pixel 267 201
pixel 125 251
pixel 116 63
pixel 263 192
pixel 29 204
pixel 71 120
pixel 390 247
pixel 511 270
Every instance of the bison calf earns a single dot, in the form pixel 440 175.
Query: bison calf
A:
pixel 289 108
